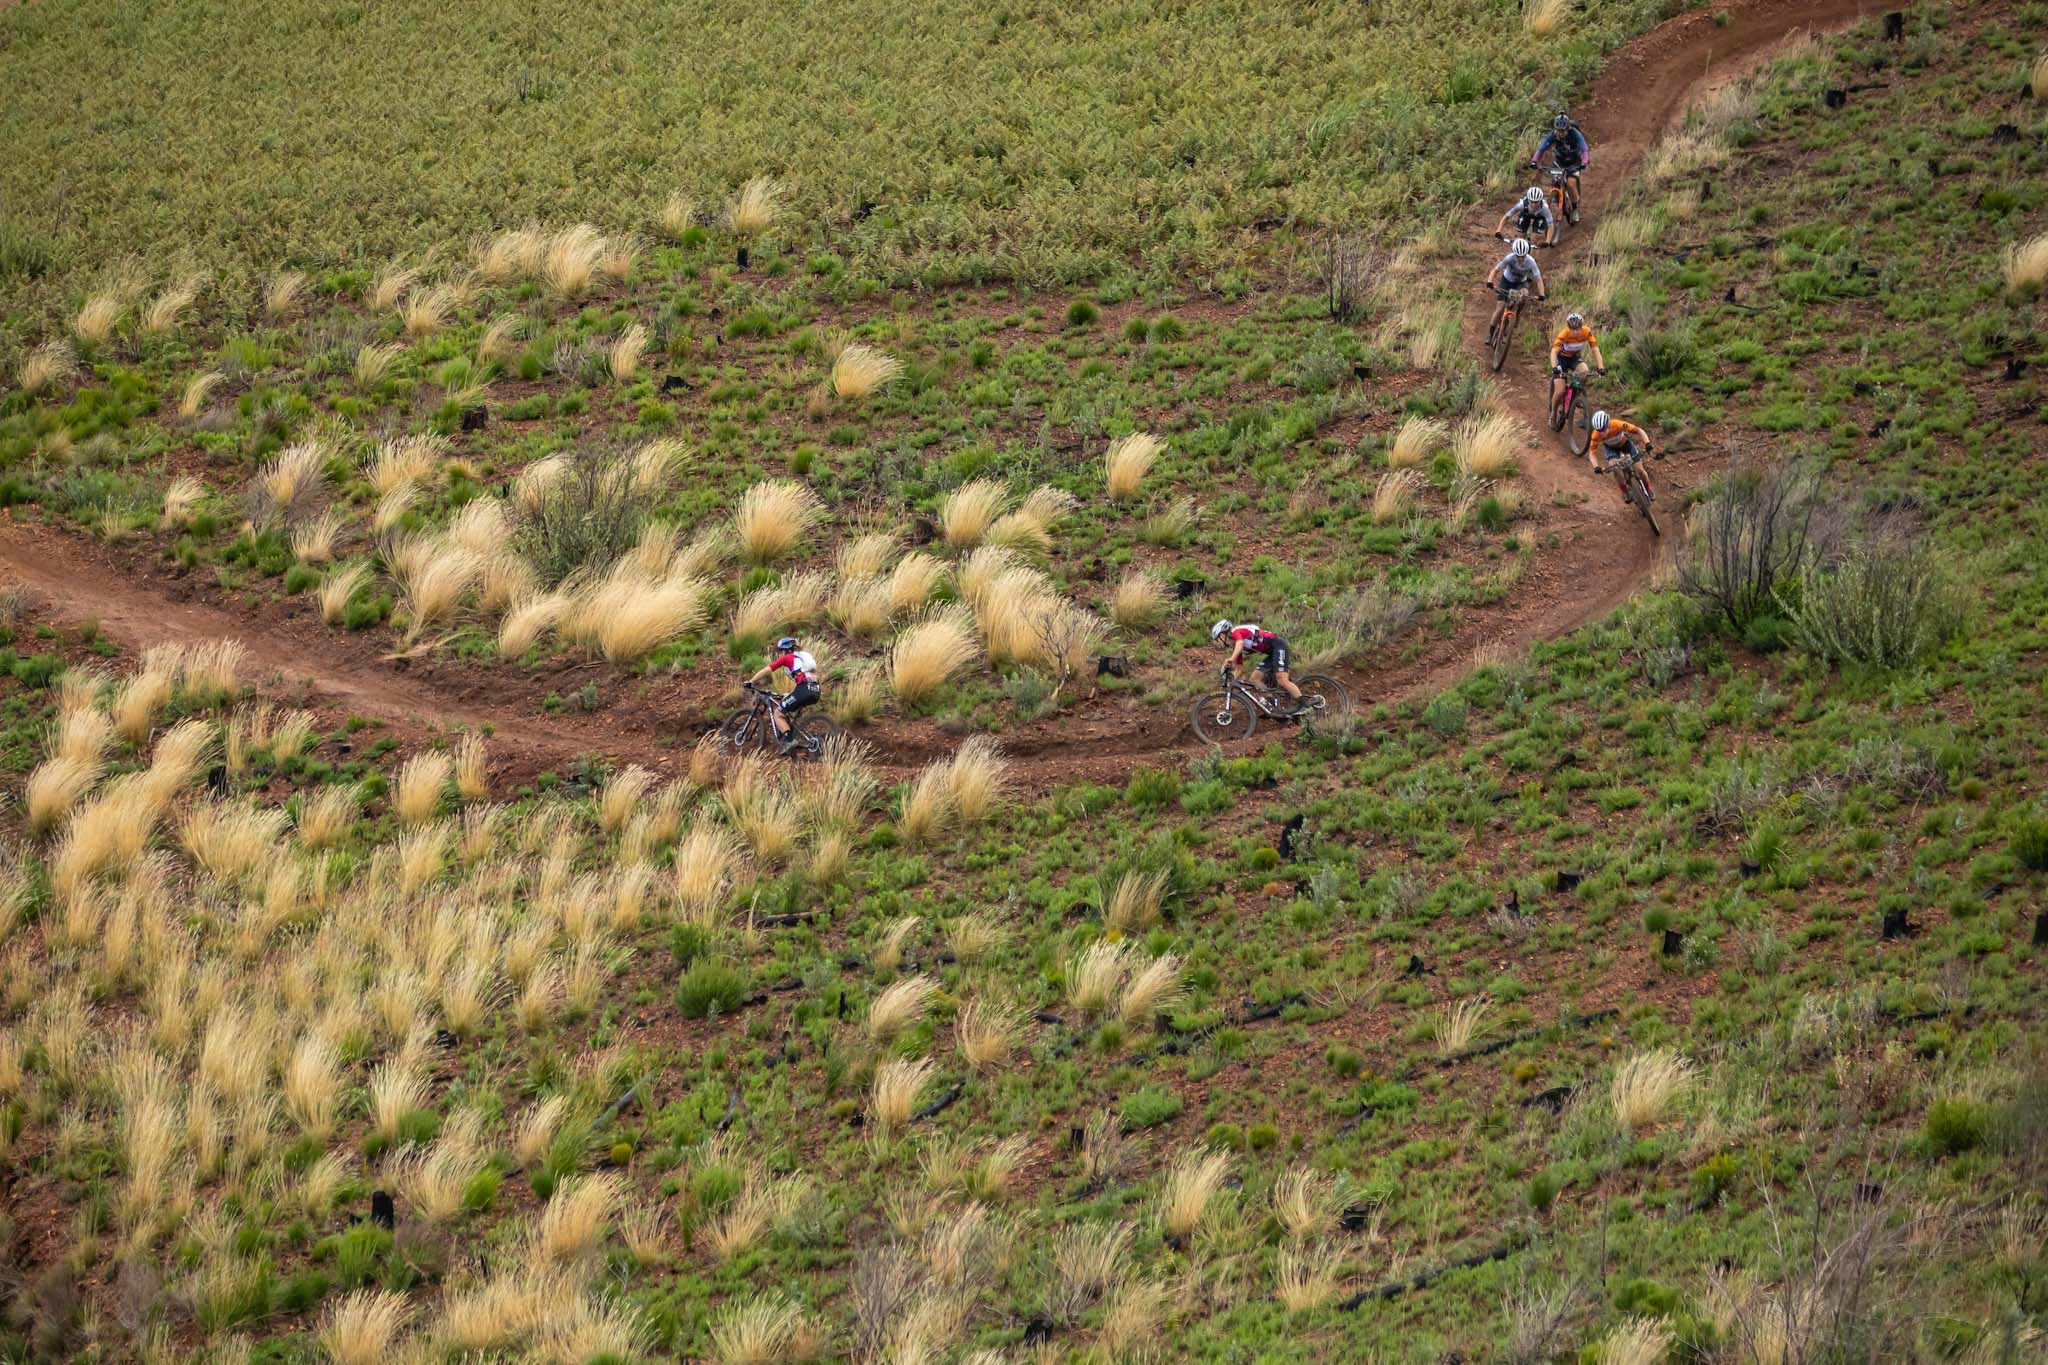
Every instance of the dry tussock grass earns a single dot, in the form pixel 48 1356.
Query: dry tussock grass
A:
pixel 47 366
pixel 1127 461
pixel 1544 17
pixel 2025 265
pixel 1416 441
pixel 163 313
pixel 754 207
pixel 282 292
pixel 860 371
pixel 926 655
pixel 894 1094
pixel 96 319
pixel 1393 498
pixel 1486 447
pixel 967 513
pixel 773 516
pixel 198 388
pixel 1646 1085
pixel 1140 599
pixel 1190 1186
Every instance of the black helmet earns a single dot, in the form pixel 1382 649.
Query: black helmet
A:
pixel 1562 123
pixel 786 643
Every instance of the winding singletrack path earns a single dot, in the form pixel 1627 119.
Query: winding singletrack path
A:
pixel 1603 555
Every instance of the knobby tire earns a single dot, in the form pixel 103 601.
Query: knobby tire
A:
pixel 1502 335
pixel 1335 697
pixel 1243 718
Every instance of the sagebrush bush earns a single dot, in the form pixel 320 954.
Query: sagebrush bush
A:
pixel 584 513
pixel 1886 598
pixel 1753 535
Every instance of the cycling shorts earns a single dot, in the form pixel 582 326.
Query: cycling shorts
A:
pixel 800 696
pixel 1274 662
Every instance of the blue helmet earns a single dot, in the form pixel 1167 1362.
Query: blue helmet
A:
pixel 786 643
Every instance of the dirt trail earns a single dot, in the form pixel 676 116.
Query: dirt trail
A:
pixel 1645 90
pixel 1604 554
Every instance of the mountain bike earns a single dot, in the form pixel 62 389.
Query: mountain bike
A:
pixel 1626 466
pixel 1567 197
pixel 1502 333
pixel 1234 712
pixel 1570 414
pixel 752 726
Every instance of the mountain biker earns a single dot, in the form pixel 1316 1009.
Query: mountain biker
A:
pixel 1568 353
pixel 1569 146
pixel 803 674
pixel 1612 436
pixel 1250 639
pixel 1516 270
pixel 1530 213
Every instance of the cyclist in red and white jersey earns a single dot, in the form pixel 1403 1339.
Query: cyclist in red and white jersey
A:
pixel 1252 639
pixel 803 673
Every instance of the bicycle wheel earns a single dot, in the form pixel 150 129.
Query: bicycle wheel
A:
pixel 1502 336
pixel 1639 494
pixel 743 728
pixel 1559 409
pixel 1578 429
pixel 1220 718
pixel 1328 700
pixel 816 732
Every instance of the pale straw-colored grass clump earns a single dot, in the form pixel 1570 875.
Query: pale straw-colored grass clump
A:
pixel 861 371
pixel 1393 498
pixel 47 366
pixel 363 1328
pixel 198 388
pixel 1416 441
pixel 374 362
pixel 162 313
pixel 1191 1185
pixel 181 501
pixel 1139 600
pixel 1486 446
pixel 900 1005
pixel 282 292
pixel 572 259
pixel 893 1097
pixel 624 355
pixel 1645 1087
pixel 1544 17
pixel 967 513
pixel 927 654
pixel 96 320
pixel 773 516
pixel 2026 265
pixel 678 215
pixel 1126 462
pixel 754 207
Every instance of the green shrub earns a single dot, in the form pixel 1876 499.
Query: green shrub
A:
pixel 1081 313
pixel 1135 330
pixel 1446 714
pixel 1714 1177
pixel 1225 1137
pixel 1150 1107
pixel 2030 844
pixel 1261 1136
pixel 710 987
pixel 357 1253
pixel 482 1190
pixel 1167 327
pixel 1346 1063
pixel 1954 1124
pixel 1152 787
pixel 300 577
pixel 586 518
pixel 1887 599
pixel 1543 1190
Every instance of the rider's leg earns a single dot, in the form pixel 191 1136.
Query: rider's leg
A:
pixel 1287 684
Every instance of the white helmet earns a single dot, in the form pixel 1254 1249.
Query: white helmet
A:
pixel 1521 246
pixel 1534 196
pixel 1600 421
pixel 1574 319
pixel 1217 631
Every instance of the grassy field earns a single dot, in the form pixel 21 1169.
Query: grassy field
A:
pixel 921 145
pixel 1672 993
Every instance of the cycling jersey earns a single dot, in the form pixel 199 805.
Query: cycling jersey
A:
pixel 1255 640
pixel 800 664
pixel 1572 148
pixel 1530 222
pixel 1620 435
pixel 1518 269
pixel 1570 341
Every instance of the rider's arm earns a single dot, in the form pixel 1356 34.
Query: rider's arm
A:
pixel 1585 148
pixel 1236 655
pixel 1542 147
pixel 1599 361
